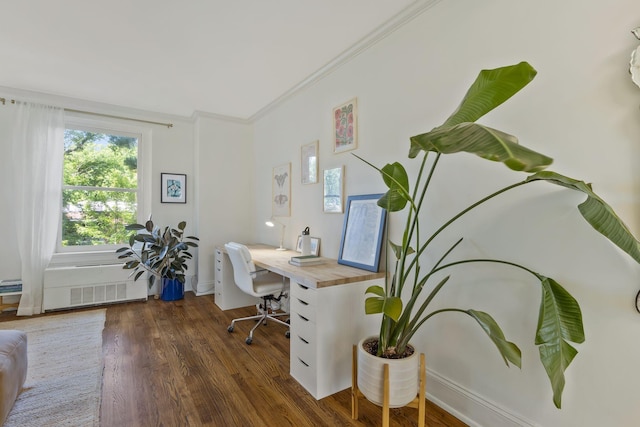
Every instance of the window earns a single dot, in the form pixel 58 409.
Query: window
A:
pixel 101 187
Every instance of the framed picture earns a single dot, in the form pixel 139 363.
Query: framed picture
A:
pixel 173 187
pixel 345 126
pixel 362 232
pixel 309 163
pixel 281 191
pixel 315 245
pixel 333 188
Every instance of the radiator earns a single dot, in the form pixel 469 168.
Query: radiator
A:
pixel 78 286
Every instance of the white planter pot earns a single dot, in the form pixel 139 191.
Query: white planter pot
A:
pixel 403 377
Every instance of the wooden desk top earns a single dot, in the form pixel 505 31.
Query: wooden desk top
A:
pixel 329 273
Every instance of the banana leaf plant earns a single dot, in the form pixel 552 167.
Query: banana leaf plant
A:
pixel 161 252
pixel 560 317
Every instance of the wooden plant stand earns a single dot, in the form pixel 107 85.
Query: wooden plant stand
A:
pixel 418 402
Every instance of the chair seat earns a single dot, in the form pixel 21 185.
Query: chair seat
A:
pixel 267 284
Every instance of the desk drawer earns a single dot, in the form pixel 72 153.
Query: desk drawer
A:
pixel 303 348
pixel 305 328
pixel 305 374
pixel 304 310
pixel 304 293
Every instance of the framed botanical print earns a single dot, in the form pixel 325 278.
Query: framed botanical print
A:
pixel 333 188
pixel 362 232
pixel 309 163
pixel 173 187
pixel 281 190
pixel 345 126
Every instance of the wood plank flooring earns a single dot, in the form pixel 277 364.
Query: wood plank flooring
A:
pixel 174 364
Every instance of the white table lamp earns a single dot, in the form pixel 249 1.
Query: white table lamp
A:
pixel 272 223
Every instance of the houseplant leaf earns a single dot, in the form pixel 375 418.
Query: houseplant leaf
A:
pixel 509 351
pixel 490 89
pixel 488 143
pixel 596 212
pixel 559 321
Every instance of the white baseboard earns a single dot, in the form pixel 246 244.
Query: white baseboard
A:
pixel 468 406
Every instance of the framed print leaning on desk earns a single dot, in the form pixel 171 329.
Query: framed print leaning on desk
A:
pixel 362 232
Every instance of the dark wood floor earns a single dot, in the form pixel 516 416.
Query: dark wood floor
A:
pixel 175 364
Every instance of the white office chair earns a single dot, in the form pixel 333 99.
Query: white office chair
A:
pixel 259 283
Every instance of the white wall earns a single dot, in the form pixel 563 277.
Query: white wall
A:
pixel 582 110
pixel 224 158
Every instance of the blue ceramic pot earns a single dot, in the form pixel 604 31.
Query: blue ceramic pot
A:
pixel 172 289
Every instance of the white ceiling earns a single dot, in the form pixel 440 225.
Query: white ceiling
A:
pixel 226 57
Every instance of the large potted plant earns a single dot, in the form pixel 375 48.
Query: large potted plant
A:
pixel 412 284
pixel 163 253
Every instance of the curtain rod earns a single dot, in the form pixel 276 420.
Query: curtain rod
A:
pixel 168 125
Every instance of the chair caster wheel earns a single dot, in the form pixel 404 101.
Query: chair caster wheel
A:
pixel 230 329
pixel 249 340
pixel 287 334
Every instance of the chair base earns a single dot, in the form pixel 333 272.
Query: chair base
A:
pixel 261 318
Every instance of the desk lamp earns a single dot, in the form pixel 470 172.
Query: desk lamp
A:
pixel 271 223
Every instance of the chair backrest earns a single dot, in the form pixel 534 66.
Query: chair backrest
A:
pixel 243 267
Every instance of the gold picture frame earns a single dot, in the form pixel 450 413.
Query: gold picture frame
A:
pixel 345 126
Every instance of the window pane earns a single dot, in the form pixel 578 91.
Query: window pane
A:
pixel 97 217
pixel 96 166
pixel 100 160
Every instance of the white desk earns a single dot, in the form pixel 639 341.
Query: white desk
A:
pixel 327 317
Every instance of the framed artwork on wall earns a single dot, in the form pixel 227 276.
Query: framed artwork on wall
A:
pixel 173 187
pixel 315 245
pixel 362 232
pixel 345 126
pixel 309 163
pixel 281 190
pixel 333 188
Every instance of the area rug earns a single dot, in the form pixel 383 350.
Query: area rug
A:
pixel 64 377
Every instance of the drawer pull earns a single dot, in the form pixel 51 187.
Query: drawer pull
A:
pixel 303 340
pixel 302 302
pixel 303 286
pixel 303 318
pixel 303 362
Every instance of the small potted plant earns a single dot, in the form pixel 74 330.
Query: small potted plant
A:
pixel 163 253
pixel 401 301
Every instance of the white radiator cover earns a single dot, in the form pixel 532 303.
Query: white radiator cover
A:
pixel 78 286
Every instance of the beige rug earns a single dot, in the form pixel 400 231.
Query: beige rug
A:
pixel 64 378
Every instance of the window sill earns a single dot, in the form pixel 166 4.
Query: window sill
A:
pixel 68 259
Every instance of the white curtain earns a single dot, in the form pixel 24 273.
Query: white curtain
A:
pixel 37 150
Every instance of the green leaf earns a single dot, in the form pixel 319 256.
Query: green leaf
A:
pixel 131 264
pixel 373 305
pixel 490 89
pixel 134 227
pixel 488 143
pixel 182 225
pixel 375 289
pixel 390 306
pixel 597 213
pixel 509 351
pixel 397 180
pixel 559 321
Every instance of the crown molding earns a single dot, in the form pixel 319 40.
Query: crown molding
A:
pixel 400 19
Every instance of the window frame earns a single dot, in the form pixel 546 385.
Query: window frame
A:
pixel 95 253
